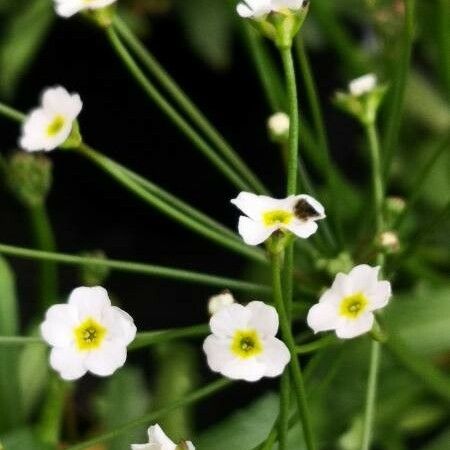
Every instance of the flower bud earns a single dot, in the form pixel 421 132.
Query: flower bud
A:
pixel 389 241
pixel 29 177
pixel 94 274
pixel 278 126
pixel 217 302
pixel 343 263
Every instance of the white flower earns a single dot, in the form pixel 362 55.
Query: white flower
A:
pixel 278 124
pixel 67 8
pixel 157 440
pixel 243 345
pixel 49 126
pixel 265 215
pixel 259 8
pixel 87 334
pixel 363 85
pixel 217 302
pixel 348 306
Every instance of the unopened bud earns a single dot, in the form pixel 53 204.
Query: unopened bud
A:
pixel 217 302
pixel 278 125
pixel 343 263
pixel 395 205
pixel 389 241
pixel 363 85
pixel 94 274
pixel 29 177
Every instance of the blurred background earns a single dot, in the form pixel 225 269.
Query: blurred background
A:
pixel 205 48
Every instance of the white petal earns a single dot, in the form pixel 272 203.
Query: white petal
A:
pixel 322 316
pixel 379 297
pixel 107 359
pixel 229 319
pixel 363 85
pixel 244 11
pixel 120 326
pixel 275 357
pixel 264 319
pixel 350 328
pixel 158 438
pixel 244 369
pixel 68 362
pixel 303 229
pixel 363 278
pixel 142 447
pixel 252 232
pixel 342 286
pixel 68 8
pixel 254 205
pixel 90 302
pixel 218 352
pixel 316 205
pixel 60 321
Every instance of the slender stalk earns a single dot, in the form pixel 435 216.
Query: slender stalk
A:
pixel 172 114
pixel 147 269
pixel 443 44
pixel 312 347
pixel 283 417
pixel 19 340
pixel 402 66
pixel 44 240
pixel 185 103
pixel 11 113
pixel 174 213
pixel 296 372
pixel 190 399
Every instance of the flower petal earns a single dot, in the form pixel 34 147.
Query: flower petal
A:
pixel 244 369
pixel 157 437
pixel 322 316
pixel 68 362
pixel 217 352
pixel 350 328
pixel 57 329
pixel 302 229
pixel 107 359
pixel 363 278
pixel 263 318
pixel 120 326
pixel 379 297
pixel 275 357
pixel 90 302
pixel 252 232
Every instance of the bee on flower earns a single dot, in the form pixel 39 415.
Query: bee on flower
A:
pixel 87 334
pixel 265 215
pixel 348 306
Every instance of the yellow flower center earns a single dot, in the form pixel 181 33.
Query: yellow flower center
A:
pixel 277 217
pixel 89 335
pixel 353 305
pixel 55 125
pixel 246 344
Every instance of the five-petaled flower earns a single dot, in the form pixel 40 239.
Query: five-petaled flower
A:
pixel 49 126
pixel 348 306
pixel 259 8
pixel 243 345
pixel 157 440
pixel 67 8
pixel 265 215
pixel 87 334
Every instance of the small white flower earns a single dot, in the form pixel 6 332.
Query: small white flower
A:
pixel 217 302
pixel 278 124
pixel 348 306
pixel 157 440
pixel 67 8
pixel 265 215
pixel 363 85
pixel 243 345
pixel 259 8
pixel 48 126
pixel 87 334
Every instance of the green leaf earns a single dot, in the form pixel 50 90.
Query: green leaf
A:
pixel 124 398
pixel 244 429
pixel 23 439
pixel 10 409
pixel 22 35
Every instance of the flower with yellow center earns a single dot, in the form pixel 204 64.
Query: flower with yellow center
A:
pixel 243 345
pixel 265 215
pixel 348 306
pixel 67 8
pixel 87 334
pixel 49 126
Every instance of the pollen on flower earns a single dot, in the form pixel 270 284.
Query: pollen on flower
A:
pixel 246 344
pixel 55 125
pixel 277 217
pixel 304 210
pixel 353 305
pixel 89 335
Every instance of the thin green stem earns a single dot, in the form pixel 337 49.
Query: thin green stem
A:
pixel 312 347
pixel 185 103
pixel 296 372
pixel 190 399
pixel 173 115
pixel 147 269
pixel 19 340
pixel 402 67
pixel 11 113
pixel 283 417
pixel 44 240
pixel 291 85
pixel 172 212
pixel 443 44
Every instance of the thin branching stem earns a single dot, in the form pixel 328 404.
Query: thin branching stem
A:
pixel 11 113
pixel 146 269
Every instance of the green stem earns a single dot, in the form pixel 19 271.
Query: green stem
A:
pixel 443 44
pixel 173 115
pixel 19 340
pixel 311 347
pixel 283 417
pixel 185 103
pixel 44 240
pixel 291 84
pixel 190 399
pixel 296 373
pixel 11 113
pixel 147 269
pixel 174 213
pixel 402 66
